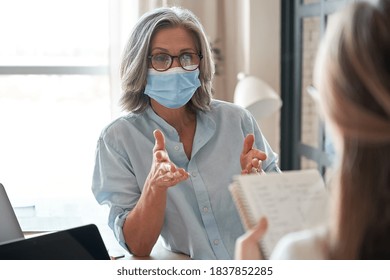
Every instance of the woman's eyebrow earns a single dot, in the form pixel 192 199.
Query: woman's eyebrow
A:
pixel 160 49
pixel 167 51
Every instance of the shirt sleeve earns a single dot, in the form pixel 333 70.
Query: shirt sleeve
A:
pixel 114 184
pixel 302 245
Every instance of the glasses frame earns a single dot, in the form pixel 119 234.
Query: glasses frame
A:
pixel 150 57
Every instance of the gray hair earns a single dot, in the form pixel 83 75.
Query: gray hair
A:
pixel 134 66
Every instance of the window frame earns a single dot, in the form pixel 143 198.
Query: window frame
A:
pixel 291 146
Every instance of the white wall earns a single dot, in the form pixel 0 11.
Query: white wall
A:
pixel 252 45
pixel 264 62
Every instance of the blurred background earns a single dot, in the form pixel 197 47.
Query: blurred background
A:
pixel 59 86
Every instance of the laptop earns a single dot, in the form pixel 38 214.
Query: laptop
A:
pixel 10 229
pixel 80 243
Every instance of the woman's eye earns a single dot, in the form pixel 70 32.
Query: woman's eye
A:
pixel 161 58
pixel 186 58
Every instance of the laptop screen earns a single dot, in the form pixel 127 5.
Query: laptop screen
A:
pixel 9 226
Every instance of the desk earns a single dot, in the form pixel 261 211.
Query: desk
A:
pixel 160 253
pixel 115 250
pixel 92 213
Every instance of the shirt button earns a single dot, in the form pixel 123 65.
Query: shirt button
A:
pixel 194 174
pixel 216 242
pixel 176 148
pixel 205 209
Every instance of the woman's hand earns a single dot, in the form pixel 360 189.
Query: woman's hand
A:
pixel 144 223
pixel 250 158
pixel 247 245
pixel 164 173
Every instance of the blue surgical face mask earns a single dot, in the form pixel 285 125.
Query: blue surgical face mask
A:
pixel 172 88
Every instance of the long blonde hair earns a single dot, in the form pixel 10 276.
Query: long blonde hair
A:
pixel 355 94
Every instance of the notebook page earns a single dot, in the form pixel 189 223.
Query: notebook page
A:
pixel 291 201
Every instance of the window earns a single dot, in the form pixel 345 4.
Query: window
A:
pixel 304 142
pixel 54 94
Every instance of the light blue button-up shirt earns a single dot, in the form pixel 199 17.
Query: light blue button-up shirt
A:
pixel 200 217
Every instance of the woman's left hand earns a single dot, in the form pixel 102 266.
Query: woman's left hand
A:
pixel 250 158
pixel 247 245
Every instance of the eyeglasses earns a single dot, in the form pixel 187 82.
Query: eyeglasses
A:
pixel 188 61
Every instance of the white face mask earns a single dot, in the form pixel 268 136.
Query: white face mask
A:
pixel 172 88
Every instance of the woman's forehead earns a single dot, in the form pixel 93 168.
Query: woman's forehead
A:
pixel 173 37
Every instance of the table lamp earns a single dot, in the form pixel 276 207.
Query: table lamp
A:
pixel 256 96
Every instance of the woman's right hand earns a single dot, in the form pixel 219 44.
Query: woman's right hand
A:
pixel 144 223
pixel 163 173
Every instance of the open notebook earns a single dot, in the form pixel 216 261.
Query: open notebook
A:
pixel 291 201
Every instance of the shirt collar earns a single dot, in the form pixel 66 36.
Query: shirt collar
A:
pixel 205 128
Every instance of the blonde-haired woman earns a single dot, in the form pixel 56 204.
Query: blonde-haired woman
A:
pixel 353 79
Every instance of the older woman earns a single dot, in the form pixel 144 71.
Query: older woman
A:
pixel 164 169
pixel 353 79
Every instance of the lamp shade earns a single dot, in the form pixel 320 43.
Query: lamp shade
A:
pixel 256 96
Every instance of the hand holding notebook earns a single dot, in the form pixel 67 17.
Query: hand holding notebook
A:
pixel 291 201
